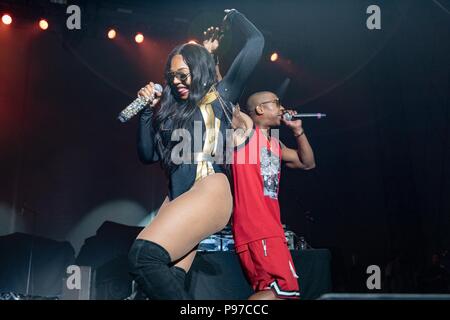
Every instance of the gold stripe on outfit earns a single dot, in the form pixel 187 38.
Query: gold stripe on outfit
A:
pixel 212 124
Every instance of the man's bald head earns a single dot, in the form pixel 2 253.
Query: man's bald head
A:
pixel 257 98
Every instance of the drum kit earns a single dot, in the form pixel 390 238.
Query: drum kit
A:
pixel 223 240
pixel 220 241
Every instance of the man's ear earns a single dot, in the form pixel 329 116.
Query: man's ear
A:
pixel 259 110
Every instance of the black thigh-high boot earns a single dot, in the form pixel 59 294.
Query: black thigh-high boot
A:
pixel 149 265
pixel 180 274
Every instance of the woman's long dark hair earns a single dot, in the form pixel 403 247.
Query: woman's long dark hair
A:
pixel 174 113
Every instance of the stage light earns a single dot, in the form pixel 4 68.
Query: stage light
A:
pixel 193 42
pixel 139 38
pixel 43 24
pixel 274 57
pixel 6 19
pixel 112 34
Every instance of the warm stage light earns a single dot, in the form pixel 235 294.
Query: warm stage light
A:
pixel 274 57
pixel 139 38
pixel 43 24
pixel 6 19
pixel 112 34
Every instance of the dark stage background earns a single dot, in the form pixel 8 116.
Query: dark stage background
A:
pixel 381 189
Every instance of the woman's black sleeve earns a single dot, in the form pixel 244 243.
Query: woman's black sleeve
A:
pixel 146 138
pixel 234 81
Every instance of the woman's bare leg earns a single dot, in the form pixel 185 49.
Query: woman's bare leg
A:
pixel 183 222
pixel 173 235
pixel 186 261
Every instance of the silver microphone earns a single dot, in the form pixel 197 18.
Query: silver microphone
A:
pixel 288 117
pixel 137 105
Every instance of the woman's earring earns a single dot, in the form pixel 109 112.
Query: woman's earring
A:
pixel 204 84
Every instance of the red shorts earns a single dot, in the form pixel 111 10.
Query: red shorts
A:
pixel 268 265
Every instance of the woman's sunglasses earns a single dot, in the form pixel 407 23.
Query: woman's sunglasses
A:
pixel 179 75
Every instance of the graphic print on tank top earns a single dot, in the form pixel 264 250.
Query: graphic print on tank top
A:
pixel 270 170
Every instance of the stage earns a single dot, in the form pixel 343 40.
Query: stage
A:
pixel 41 264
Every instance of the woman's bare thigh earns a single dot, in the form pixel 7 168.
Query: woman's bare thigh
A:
pixel 186 261
pixel 183 222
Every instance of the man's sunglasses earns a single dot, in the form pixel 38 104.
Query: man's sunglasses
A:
pixel 276 101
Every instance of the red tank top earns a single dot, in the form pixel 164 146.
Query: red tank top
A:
pixel 256 177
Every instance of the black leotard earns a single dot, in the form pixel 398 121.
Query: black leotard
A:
pixel 230 89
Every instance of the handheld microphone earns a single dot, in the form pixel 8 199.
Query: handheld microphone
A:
pixel 289 117
pixel 137 105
